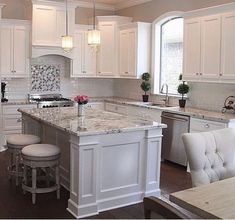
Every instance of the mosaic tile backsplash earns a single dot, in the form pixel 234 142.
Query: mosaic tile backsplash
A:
pixel 45 78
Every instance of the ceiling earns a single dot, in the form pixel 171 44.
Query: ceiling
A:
pixel 110 2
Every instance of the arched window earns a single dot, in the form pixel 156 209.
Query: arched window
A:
pixel 168 52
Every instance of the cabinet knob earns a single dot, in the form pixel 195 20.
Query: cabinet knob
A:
pixel 126 72
pixel 200 74
pixel 197 74
pixel 220 74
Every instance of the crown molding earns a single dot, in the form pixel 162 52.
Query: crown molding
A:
pixel 99 6
pixel 130 3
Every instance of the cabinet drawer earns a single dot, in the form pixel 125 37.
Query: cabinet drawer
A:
pixel 199 125
pixel 12 109
pixel 116 108
pixel 12 122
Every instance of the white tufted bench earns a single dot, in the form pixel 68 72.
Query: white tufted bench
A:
pixel 40 156
pixel 15 143
pixel 211 155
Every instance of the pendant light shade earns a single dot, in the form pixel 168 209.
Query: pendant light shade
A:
pixel 94 34
pixel 94 37
pixel 67 43
pixel 67 40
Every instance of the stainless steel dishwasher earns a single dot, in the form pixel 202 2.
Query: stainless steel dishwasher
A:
pixel 172 144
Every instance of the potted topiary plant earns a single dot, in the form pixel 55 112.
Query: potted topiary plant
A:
pixel 183 89
pixel 146 86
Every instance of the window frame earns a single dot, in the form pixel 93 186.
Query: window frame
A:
pixel 156 48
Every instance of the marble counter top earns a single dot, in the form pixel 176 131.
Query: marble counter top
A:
pixel 193 112
pixel 94 122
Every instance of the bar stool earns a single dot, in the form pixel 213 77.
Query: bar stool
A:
pixel 40 156
pixel 15 143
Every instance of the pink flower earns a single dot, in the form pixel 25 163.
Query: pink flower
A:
pixel 81 99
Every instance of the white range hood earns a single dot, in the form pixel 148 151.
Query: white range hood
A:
pixel 49 25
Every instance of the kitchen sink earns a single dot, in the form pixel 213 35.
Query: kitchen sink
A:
pixel 160 105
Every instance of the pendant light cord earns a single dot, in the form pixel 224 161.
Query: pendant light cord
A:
pixel 94 15
pixel 67 31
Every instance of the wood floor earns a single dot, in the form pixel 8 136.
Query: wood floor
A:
pixel 15 205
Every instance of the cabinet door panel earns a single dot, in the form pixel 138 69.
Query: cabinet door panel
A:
pixel 124 57
pixel 44 25
pixel 107 50
pixel 77 66
pixel 89 58
pixel 210 46
pixel 132 53
pixel 6 51
pixel 21 51
pixel 192 53
pixel 228 46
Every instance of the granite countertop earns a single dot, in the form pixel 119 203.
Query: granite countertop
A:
pixel 193 112
pixel 94 122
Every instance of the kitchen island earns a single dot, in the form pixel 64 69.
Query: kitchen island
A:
pixel 107 160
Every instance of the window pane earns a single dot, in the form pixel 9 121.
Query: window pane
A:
pixel 171 53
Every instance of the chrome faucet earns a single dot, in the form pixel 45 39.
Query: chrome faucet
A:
pixel 166 100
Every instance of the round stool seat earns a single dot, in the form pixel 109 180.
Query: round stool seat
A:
pixel 40 151
pixel 19 140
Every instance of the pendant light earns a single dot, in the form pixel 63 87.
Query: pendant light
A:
pixel 94 34
pixel 67 40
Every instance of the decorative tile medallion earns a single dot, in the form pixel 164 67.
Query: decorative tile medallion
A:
pixel 45 78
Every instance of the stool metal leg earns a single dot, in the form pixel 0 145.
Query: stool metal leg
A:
pixel 34 184
pixel 25 177
pixel 48 176
pixel 10 165
pixel 17 168
pixel 57 176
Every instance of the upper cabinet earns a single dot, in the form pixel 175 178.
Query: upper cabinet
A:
pixel 49 22
pixel 107 60
pixel 134 49
pixel 84 62
pixel 14 49
pixel 209 50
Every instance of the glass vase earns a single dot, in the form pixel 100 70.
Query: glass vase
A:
pixel 81 110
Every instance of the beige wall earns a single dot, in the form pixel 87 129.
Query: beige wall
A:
pixel 22 9
pixel 17 9
pixel 149 11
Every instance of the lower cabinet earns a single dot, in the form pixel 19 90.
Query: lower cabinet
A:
pixel 201 125
pixel 132 111
pixel 11 119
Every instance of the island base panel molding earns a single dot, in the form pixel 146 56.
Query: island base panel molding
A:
pixel 113 170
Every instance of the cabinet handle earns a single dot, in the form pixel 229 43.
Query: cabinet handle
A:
pixel 126 72
pixel 200 74
pixel 19 120
pixel 220 74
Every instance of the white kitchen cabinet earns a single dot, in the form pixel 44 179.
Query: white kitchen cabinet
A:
pixel 134 49
pixel 192 48
pixel 201 125
pixel 145 113
pixel 107 50
pixel 49 22
pixel 107 62
pixel 11 118
pixel 84 62
pixel 209 45
pixel 228 47
pixel 14 49
pixel 202 48
pixel 116 108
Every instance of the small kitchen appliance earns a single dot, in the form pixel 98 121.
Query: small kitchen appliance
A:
pixel 50 100
pixel 229 104
pixel 3 91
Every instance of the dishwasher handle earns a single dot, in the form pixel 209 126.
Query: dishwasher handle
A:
pixel 175 118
